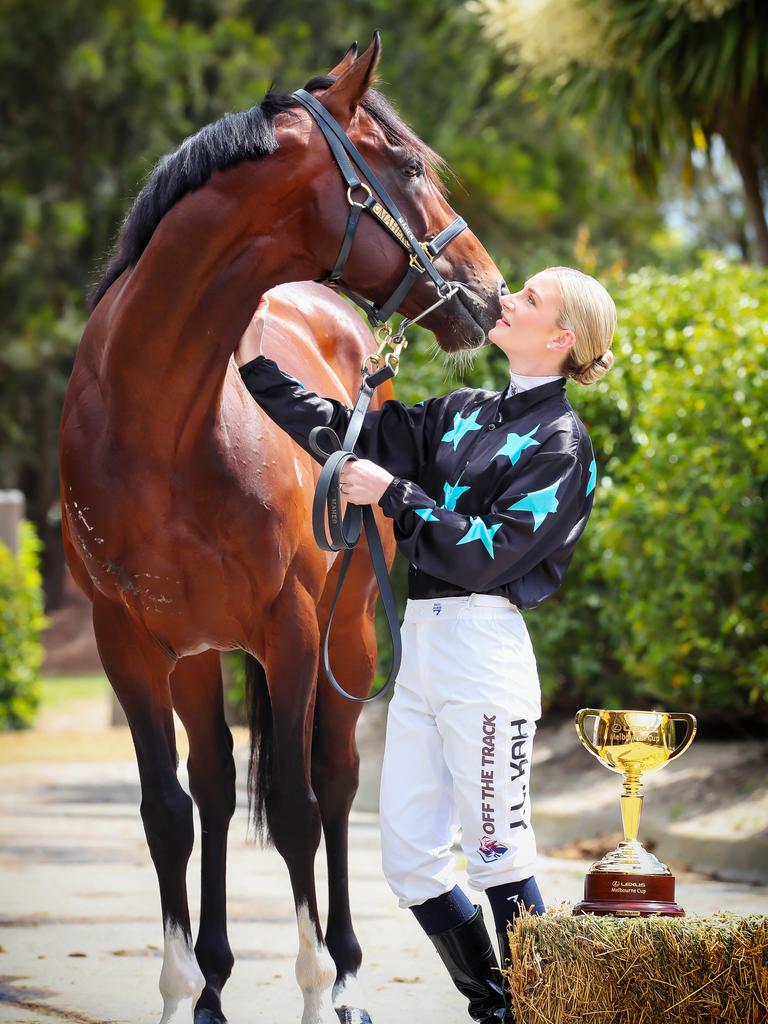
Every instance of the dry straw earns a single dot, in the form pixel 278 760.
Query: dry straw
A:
pixel 611 970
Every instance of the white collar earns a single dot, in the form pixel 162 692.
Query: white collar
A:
pixel 519 382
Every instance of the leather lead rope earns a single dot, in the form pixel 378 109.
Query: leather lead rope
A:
pixel 344 533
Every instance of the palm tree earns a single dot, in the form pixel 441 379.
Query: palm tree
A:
pixel 658 75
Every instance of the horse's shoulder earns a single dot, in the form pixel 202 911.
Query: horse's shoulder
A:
pixel 319 327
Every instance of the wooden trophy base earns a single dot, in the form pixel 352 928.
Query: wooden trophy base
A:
pixel 629 895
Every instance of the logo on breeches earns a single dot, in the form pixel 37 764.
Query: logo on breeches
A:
pixel 436 608
pixel 491 849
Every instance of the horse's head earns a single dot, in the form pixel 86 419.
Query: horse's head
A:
pixel 408 171
pixel 280 207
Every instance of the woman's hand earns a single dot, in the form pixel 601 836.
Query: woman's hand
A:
pixel 250 343
pixel 363 482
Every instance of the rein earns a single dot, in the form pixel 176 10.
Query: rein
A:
pixel 344 533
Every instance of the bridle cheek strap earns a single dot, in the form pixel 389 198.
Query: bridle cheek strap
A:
pixel 380 205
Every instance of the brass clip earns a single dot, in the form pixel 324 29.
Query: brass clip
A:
pixel 382 334
pixel 392 358
pixel 386 340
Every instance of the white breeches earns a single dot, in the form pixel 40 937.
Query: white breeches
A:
pixel 458 749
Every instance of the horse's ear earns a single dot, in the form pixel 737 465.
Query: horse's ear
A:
pixel 342 98
pixel 346 61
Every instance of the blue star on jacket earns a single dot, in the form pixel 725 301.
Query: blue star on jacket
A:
pixel 516 444
pixel 540 503
pixel 461 426
pixel 452 493
pixel 427 514
pixel 480 530
pixel 592 477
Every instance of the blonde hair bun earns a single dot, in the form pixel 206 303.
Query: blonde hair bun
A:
pixel 592 372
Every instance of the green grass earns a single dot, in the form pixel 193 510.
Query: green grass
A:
pixel 58 691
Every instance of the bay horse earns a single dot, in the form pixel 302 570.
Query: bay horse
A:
pixel 186 512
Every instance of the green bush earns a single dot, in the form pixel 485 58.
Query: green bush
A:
pixel 666 601
pixel 21 623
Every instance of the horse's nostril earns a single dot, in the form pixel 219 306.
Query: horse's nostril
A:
pixel 503 290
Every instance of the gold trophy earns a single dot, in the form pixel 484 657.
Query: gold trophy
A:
pixel 629 881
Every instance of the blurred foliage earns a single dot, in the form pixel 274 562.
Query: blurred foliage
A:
pixel 658 76
pixel 711 212
pixel 233 678
pixel 21 624
pixel 62 691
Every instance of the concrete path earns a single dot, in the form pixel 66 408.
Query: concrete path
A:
pixel 80 932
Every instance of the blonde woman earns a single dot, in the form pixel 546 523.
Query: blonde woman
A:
pixel 488 492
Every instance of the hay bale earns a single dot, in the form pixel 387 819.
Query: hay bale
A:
pixel 614 970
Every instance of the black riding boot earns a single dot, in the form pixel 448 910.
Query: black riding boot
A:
pixel 467 952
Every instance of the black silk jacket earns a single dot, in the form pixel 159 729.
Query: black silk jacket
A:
pixel 491 491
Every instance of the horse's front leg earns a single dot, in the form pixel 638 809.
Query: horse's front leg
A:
pixel 196 687
pixel 335 771
pixel 292 814
pixel 138 670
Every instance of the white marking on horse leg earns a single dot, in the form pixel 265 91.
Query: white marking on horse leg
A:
pixel 181 977
pixel 315 973
pixel 348 992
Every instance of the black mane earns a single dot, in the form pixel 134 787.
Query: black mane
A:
pixel 234 137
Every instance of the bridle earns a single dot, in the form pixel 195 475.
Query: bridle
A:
pixel 332 532
pixel 379 203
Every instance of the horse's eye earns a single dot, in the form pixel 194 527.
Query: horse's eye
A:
pixel 412 169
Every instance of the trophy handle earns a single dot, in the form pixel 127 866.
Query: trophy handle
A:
pixel 580 716
pixel 690 722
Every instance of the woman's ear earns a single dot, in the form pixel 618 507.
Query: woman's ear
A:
pixel 562 342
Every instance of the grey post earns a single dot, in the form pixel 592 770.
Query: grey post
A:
pixel 11 514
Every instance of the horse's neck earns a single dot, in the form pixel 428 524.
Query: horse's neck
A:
pixel 178 315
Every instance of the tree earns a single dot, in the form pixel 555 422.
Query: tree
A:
pixel 657 75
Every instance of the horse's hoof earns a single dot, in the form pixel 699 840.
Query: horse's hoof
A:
pixel 203 1016
pixel 351 1015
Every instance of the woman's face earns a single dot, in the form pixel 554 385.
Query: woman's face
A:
pixel 527 331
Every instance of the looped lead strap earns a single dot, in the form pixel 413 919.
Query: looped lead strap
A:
pixel 344 533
